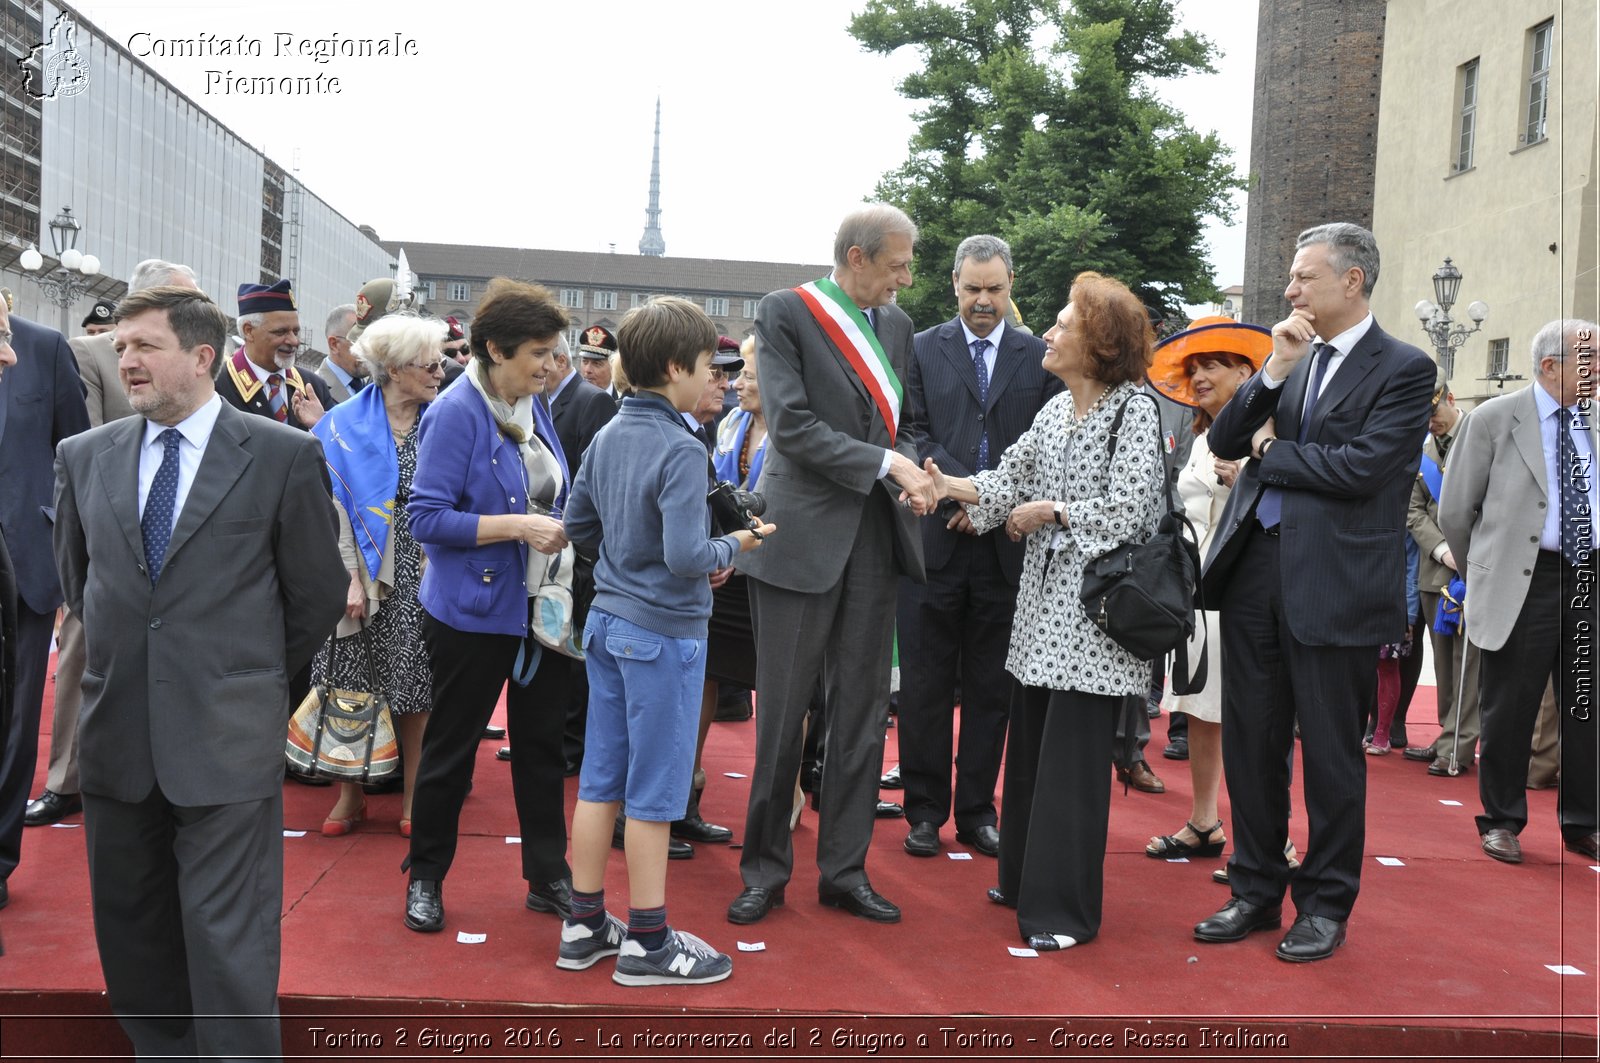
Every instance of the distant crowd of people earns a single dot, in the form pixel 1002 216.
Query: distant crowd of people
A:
pixel 226 530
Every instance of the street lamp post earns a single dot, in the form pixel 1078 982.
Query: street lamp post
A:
pixel 1446 335
pixel 75 272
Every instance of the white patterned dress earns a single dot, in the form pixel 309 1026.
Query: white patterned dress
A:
pixel 1109 502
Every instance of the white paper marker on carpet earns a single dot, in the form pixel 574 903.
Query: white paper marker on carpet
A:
pixel 1562 968
pixel 1389 861
pixel 1177 859
pixel 465 938
pixel 960 856
pixel 294 834
pixel 1452 804
pixel 1021 952
pixel 513 840
pixel 752 946
pixel 734 774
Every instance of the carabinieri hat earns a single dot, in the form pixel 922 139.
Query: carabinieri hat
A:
pixel 596 342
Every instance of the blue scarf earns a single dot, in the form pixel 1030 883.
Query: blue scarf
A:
pixel 363 467
pixel 730 444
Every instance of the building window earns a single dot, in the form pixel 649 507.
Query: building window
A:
pixel 460 291
pixel 637 299
pixel 572 341
pixel 605 300
pixel 716 306
pixel 750 307
pixel 432 289
pixel 1499 357
pixel 1539 40
pixel 572 298
pixel 1467 125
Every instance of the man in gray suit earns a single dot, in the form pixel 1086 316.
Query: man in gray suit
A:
pixel 1518 508
pixel 833 355
pixel 191 519
pixel 97 364
pixel 342 371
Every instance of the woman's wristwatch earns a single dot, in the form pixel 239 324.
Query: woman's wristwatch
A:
pixel 1060 508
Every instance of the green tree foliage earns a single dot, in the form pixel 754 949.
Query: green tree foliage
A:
pixel 1038 123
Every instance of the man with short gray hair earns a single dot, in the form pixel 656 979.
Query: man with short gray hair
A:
pixel 974 387
pixel 342 371
pixel 1308 571
pixel 840 461
pixel 1518 509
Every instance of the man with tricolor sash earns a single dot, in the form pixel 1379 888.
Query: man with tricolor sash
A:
pixel 843 474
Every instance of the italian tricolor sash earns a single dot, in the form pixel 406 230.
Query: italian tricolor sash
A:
pixel 847 327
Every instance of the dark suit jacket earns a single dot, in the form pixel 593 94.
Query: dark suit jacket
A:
pixel 41 403
pixel 825 444
pixel 242 389
pixel 579 411
pixel 187 682
pixel 1345 489
pixel 8 636
pixel 947 420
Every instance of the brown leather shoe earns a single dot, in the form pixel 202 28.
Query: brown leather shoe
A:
pixel 1141 778
pixel 1502 845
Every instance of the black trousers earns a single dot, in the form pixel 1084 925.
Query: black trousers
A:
pixel 1553 641
pixel 1058 805
pixel 20 754
pixel 1269 680
pixel 954 631
pixel 469 670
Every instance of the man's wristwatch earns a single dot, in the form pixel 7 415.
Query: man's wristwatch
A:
pixel 1060 507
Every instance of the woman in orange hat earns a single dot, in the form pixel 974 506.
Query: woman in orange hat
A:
pixel 1202 367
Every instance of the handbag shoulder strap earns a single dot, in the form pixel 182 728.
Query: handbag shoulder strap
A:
pixel 1167 480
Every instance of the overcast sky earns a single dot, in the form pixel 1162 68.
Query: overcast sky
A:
pixel 530 124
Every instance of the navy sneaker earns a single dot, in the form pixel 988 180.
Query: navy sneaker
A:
pixel 682 959
pixel 582 948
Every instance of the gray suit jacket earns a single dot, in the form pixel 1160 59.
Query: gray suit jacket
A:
pixel 187 682
pixel 336 387
pixel 102 384
pixel 1492 510
pixel 825 446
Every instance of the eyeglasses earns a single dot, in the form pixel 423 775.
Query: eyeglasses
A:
pixel 718 373
pixel 436 366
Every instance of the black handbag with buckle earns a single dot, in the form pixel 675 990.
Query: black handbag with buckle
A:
pixel 1145 595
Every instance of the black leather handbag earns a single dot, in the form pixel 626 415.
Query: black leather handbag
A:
pixel 1145 595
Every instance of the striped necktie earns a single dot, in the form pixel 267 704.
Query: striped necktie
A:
pixel 276 399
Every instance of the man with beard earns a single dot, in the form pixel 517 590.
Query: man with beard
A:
pixel 261 377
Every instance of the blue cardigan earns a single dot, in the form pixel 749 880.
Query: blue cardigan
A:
pixel 466 467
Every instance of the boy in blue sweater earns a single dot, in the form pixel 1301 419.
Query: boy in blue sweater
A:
pixel 640 499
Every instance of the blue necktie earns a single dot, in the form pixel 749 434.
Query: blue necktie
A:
pixel 156 524
pixel 979 348
pixel 1573 473
pixel 1269 512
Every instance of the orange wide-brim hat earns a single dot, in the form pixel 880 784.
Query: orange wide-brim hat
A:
pixel 1206 335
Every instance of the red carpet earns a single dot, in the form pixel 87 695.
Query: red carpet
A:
pixel 1449 955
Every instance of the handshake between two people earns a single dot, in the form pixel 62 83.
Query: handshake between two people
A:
pixel 923 489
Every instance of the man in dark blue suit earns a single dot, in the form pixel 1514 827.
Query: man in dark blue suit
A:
pixel 975 385
pixel 1308 570
pixel 41 403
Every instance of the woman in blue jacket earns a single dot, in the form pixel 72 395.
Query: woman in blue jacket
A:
pixel 486 505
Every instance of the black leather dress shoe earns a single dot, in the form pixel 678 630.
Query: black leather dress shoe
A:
pixel 1177 749
pixel 1584 845
pixel 676 848
pixel 493 734
pixel 696 829
pixel 1237 919
pixel 923 840
pixel 51 807
pixel 862 901
pixel 891 779
pixel 5 893
pixel 1445 767
pixel 425 905
pixel 753 904
pixel 503 753
pixel 1312 937
pixel 998 896
pixel 1502 845
pixel 551 897
pixel 889 810
pixel 985 839
pixel 1424 753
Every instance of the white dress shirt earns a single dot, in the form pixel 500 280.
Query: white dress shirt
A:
pixel 196 431
pixel 993 352
pixel 1342 345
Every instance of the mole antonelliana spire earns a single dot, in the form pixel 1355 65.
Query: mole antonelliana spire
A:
pixel 651 242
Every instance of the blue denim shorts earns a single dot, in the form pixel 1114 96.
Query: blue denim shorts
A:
pixel 644 717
